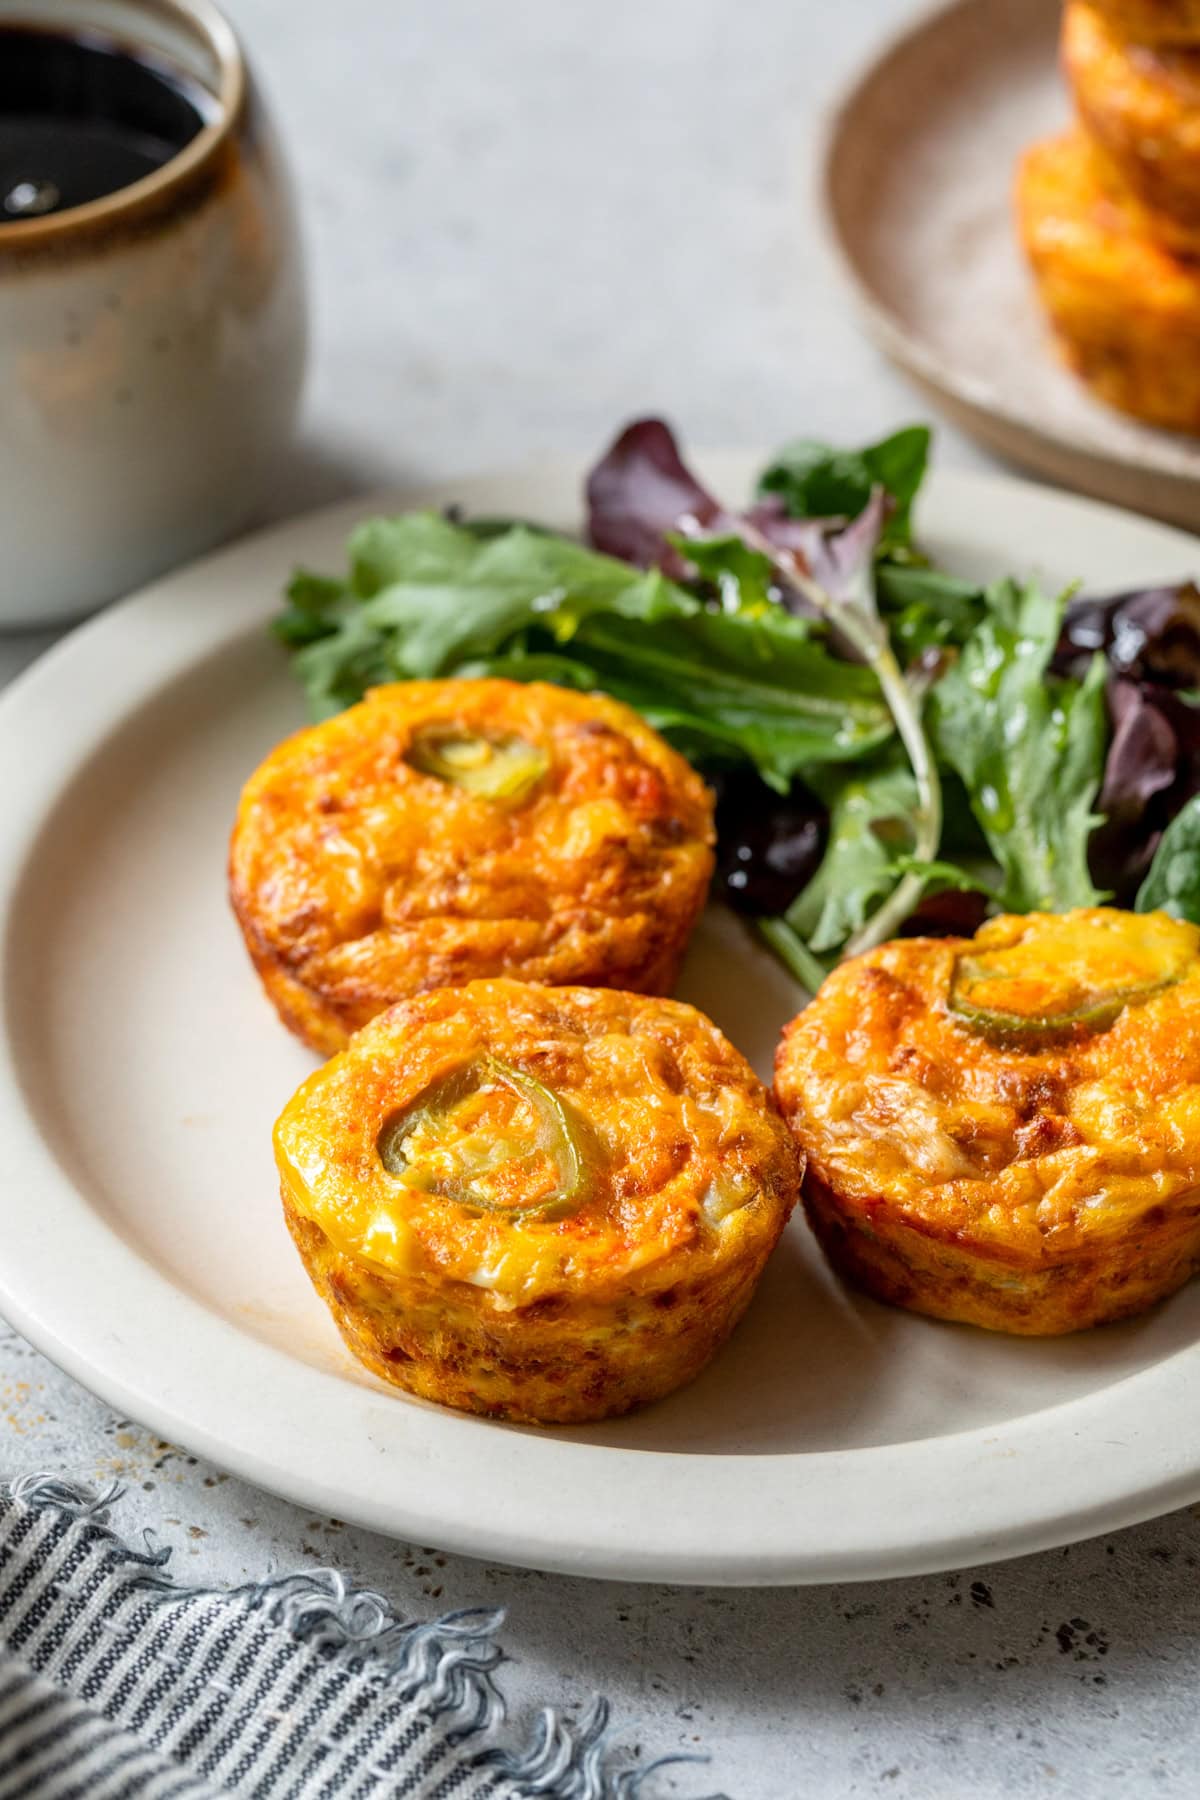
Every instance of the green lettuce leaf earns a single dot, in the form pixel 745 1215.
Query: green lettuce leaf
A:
pixel 1173 882
pixel 742 577
pixel 1028 746
pixel 816 481
pixel 926 609
pixel 424 594
pixel 763 684
pixel 427 597
pixel 870 828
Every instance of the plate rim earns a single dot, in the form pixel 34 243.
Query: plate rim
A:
pixel 789 1519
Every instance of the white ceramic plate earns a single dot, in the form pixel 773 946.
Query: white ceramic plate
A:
pixel 141 1243
pixel 918 175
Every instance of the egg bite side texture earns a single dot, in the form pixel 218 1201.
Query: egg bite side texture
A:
pixel 1125 309
pixel 1005 1130
pixel 445 831
pixel 1142 108
pixel 543 1204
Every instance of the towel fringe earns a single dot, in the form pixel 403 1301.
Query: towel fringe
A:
pixel 573 1762
pixel 445 1667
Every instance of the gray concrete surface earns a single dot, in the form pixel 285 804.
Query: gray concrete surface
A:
pixel 525 223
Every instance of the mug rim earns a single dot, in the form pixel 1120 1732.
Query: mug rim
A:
pixel 181 169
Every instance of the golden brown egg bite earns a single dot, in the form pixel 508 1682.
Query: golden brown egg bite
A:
pixel 1005 1130
pixel 1125 310
pixel 545 1204
pixel 1154 21
pixel 1142 109
pixel 444 831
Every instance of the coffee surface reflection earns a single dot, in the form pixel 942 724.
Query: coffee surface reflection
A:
pixel 82 116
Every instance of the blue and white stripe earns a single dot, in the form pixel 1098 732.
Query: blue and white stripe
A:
pixel 116 1683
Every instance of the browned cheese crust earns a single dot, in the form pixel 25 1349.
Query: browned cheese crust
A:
pixel 1034 1191
pixel 1154 21
pixel 1125 310
pixel 576 1311
pixel 1141 108
pixel 359 878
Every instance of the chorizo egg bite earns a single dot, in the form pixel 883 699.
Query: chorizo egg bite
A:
pixel 1005 1130
pixel 1125 310
pixel 544 1204
pixel 443 831
pixel 1142 108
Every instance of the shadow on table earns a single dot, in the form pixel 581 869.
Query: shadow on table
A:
pixel 313 474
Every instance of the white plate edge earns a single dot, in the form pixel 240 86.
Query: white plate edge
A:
pixel 764 1555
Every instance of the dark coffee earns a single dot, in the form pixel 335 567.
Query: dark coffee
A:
pixel 82 115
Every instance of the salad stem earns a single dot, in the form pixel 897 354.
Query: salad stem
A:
pixel 792 951
pixel 927 817
pixel 862 627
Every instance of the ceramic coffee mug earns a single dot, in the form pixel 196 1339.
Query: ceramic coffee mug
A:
pixel 151 341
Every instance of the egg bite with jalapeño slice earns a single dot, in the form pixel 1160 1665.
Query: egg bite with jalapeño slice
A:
pixel 543 1204
pixel 1005 1130
pixel 445 831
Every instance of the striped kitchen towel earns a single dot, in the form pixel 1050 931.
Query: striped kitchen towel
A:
pixel 115 1683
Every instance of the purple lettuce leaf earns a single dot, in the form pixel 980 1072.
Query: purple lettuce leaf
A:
pixel 641 496
pixel 1152 634
pixel 769 845
pixel 841 562
pixel 1151 640
pixel 1152 769
pixel 641 491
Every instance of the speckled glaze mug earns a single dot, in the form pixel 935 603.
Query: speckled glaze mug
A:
pixel 152 342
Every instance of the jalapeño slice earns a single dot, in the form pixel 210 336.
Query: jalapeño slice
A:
pixel 503 767
pixel 1065 977
pixel 492 1139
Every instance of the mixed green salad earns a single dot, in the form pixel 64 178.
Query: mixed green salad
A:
pixel 893 749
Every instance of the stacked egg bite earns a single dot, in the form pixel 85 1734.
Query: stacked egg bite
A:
pixel 1109 212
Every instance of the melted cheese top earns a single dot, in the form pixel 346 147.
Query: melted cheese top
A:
pixel 369 875
pixel 682 1154
pixel 1023 1151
